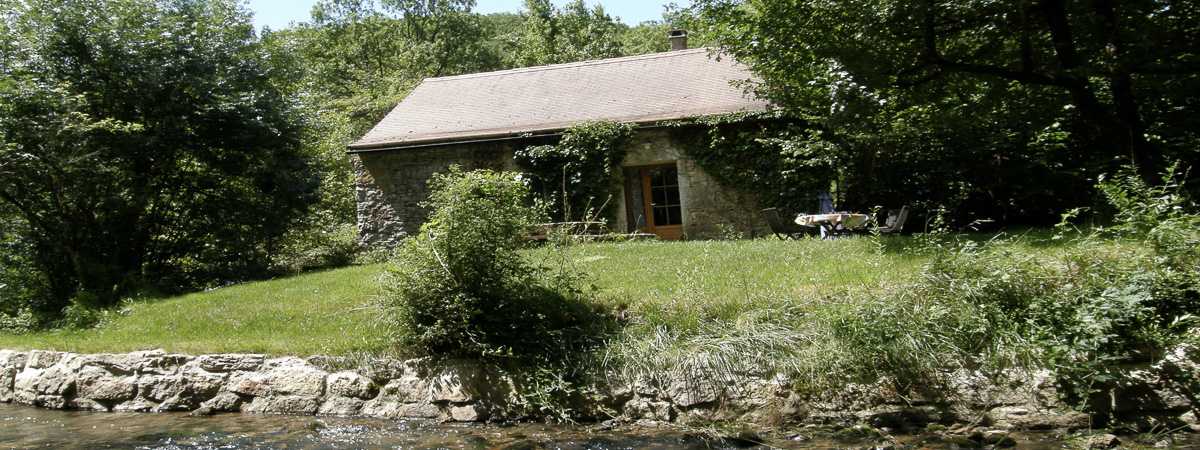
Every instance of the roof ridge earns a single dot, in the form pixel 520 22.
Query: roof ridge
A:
pixel 591 62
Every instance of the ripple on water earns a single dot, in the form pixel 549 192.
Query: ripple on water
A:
pixel 23 427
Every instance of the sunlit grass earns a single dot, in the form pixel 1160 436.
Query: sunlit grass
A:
pixel 320 313
pixel 664 289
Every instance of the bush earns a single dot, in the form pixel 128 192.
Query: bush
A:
pixel 324 246
pixel 1084 313
pixel 460 288
pixel 577 178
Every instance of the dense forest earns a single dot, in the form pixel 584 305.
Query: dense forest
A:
pixel 151 147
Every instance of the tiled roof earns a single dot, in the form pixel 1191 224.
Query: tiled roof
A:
pixel 637 89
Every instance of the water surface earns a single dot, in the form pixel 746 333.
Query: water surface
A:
pixel 24 427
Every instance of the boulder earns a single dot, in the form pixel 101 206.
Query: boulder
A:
pixel 1019 418
pixel 407 389
pixel 137 405
pixel 158 388
pixel 282 404
pixel 471 412
pixel 341 406
pixel 159 362
pixel 644 408
pixel 350 385
pixel 687 393
pixel 10 364
pixel 54 380
pixel 296 378
pixel 230 362
pixel 224 402
pixel 40 360
pixel 251 384
pixel 84 404
pixel 385 409
pixel 1101 441
pixel 459 382
pixel 97 384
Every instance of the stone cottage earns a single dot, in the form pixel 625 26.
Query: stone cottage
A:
pixel 479 120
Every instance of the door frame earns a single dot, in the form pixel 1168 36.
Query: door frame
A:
pixel 666 232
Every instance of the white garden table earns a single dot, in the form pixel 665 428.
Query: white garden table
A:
pixel 834 224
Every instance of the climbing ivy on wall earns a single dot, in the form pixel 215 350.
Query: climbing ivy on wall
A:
pixel 782 160
pixel 577 177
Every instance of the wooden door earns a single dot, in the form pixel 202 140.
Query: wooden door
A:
pixel 661 202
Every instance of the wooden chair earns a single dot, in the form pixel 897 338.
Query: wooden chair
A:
pixel 895 221
pixel 783 228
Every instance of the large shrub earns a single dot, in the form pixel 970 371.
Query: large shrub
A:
pixel 461 288
pixel 1084 312
pixel 577 177
pixel 144 146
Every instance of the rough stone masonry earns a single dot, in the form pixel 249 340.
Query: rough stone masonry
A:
pixel 156 381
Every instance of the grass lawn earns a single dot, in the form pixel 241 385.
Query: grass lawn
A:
pixel 680 285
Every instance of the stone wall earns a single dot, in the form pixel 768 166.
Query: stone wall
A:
pixel 390 186
pixel 710 210
pixel 1163 395
pixel 155 381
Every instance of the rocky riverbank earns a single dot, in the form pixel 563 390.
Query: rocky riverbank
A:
pixel 156 381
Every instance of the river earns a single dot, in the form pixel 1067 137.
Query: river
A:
pixel 24 427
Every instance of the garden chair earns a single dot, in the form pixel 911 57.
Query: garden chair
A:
pixel 782 227
pixel 895 221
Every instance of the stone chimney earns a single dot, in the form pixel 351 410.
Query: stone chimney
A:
pixel 678 39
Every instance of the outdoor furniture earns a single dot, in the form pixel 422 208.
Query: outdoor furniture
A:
pixel 783 229
pixel 835 224
pixel 894 221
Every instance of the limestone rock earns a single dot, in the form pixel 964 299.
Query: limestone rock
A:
pixel 53 380
pixel 1102 441
pixel 350 384
pixel 407 389
pixel 252 384
pixel 158 387
pixel 10 364
pixel 230 363
pixel 457 383
pixel 296 378
pixel 1027 419
pixel 420 411
pixel 689 393
pixel 643 408
pixel 136 405
pixel 99 385
pixel 385 409
pixel 83 404
pixel 282 404
pixel 341 406
pixel 160 362
pixel 40 360
pixel 224 402
pixel 470 412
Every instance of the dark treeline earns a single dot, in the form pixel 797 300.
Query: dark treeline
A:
pixel 150 147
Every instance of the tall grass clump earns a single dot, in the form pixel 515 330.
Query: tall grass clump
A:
pixel 1105 302
pixel 460 288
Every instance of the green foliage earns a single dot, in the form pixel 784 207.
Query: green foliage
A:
pixel 1085 314
pixel 577 177
pixel 782 160
pixel 1005 110
pixel 550 35
pixel 331 244
pixel 23 288
pixel 355 59
pixel 149 149
pixel 461 289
